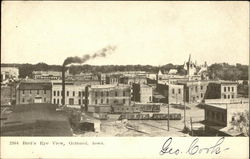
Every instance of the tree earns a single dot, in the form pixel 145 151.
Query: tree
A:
pixel 241 123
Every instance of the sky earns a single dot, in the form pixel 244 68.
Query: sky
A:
pixel 146 33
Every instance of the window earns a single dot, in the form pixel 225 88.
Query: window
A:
pixel 95 94
pixel 23 100
pixel 150 98
pixel 83 101
pixel 23 91
pixel 232 96
pixel 107 94
pixel 225 89
pixel 73 93
pixel 196 89
pixel 57 101
pixel 30 91
pixel 102 94
pixel 44 92
pixel 201 87
pixel 67 93
pixel 58 93
pixel 71 101
pixel 179 91
pixel 232 89
pixel 233 119
pixel 44 100
pixel 201 95
pixel 83 94
pixel 37 92
pixel 101 101
pixel 54 101
pixel 124 93
pixel 228 96
pixel 172 91
pixel 225 96
pixel 116 94
pixel 79 101
pixel 228 89
pixel 96 101
pixel 107 101
pixel 124 101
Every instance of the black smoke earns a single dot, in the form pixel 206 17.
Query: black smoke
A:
pixel 101 53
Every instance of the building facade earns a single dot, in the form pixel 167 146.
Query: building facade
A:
pixel 142 93
pixel 221 90
pixel 219 118
pixel 173 93
pixel 194 91
pixel 74 94
pixel 36 92
pixel 139 79
pixel 109 95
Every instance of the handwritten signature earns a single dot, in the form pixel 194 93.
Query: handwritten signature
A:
pixel 194 148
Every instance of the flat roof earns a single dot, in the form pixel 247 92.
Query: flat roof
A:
pixel 36 120
pixel 35 86
pixel 230 106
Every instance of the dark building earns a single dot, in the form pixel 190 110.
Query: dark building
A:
pixel 33 92
pixel 221 90
pixel 173 93
pixel 142 93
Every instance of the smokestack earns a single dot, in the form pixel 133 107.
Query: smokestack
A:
pixel 79 60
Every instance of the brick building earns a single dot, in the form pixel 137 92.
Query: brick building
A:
pixel 109 95
pixel 74 93
pixel 221 90
pixel 173 93
pixel 194 91
pixel 142 93
pixel 33 92
pixel 219 118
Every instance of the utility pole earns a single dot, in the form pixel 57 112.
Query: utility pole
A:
pixel 184 107
pixel 191 126
pixel 168 116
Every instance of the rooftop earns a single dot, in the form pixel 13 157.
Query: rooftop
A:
pixel 34 86
pixel 36 120
pixel 243 106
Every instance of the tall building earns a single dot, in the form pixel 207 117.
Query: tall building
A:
pixel 74 93
pixel 142 93
pixel 33 92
